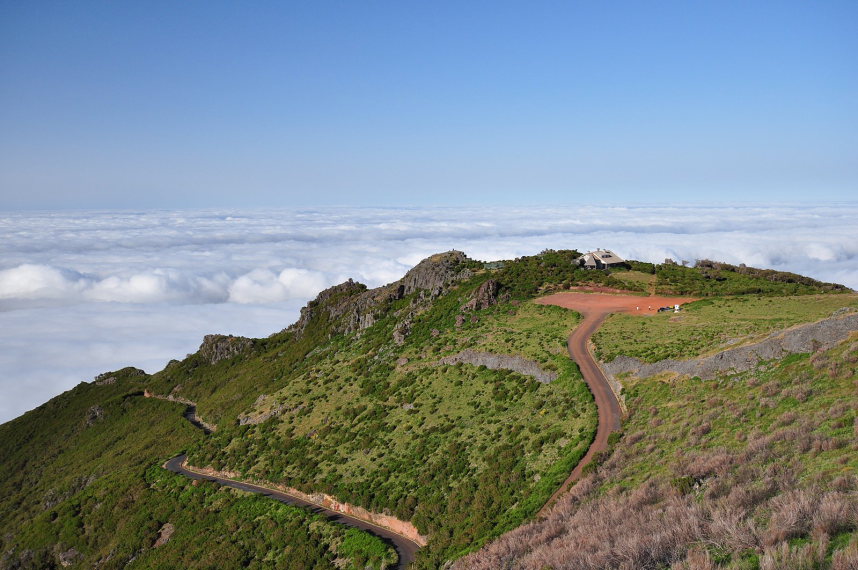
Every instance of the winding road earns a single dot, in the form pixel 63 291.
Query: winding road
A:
pixel 606 402
pixel 405 548
pixel 595 308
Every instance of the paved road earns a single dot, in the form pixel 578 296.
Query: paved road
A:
pixel 609 409
pixel 405 548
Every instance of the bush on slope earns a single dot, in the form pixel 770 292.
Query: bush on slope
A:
pixel 757 471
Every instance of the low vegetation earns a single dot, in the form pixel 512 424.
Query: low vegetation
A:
pixel 353 401
pixel 461 451
pixel 82 487
pixel 710 325
pixel 711 278
pixel 755 472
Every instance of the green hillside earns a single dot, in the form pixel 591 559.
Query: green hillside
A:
pixel 757 471
pixel 360 399
pixel 81 483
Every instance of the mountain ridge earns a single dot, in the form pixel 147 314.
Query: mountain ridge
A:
pixel 365 413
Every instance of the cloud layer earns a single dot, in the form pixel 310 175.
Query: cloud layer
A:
pixel 84 292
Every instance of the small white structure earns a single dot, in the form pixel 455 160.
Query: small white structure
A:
pixel 600 259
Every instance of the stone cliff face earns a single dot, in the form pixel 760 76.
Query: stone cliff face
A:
pixel 217 347
pixel 433 274
pixel 803 338
pixel 485 296
pixel 351 307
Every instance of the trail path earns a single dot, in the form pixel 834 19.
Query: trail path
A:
pixel 596 308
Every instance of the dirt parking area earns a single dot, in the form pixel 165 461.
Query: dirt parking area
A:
pixel 599 303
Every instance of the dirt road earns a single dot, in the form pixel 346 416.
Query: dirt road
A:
pixel 596 308
pixel 405 548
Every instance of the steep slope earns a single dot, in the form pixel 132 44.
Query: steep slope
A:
pixel 82 487
pixel 755 470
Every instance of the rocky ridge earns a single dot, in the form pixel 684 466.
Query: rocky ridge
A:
pixel 217 347
pixel 351 307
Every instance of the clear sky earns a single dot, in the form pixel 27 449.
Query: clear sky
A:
pixel 246 104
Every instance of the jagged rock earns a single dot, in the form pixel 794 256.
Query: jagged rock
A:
pixel 93 415
pixel 164 535
pixel 351 307
pixel 460 320
pixel 217 347
pixel 107 378
pixel 401 331
pixel 434 273
pixel 485 296
pixel 501 362
pixel 401 361
pixel 435 332
pixel 68 557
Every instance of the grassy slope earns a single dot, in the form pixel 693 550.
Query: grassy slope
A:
pixel 98 488
pixel 464 452
pixel 711 325
pixel 755 471
pixel 476 454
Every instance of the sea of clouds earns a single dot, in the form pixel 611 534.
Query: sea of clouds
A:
pixel 86 292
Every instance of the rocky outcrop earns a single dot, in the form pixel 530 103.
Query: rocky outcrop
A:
pixel 164 535
pixel 501 362
pixel 254 418
pixel 402 330
pixel 400 527
pixel 68 557
pixel 94 415
pixel 351 307
pixel 333 303
pixel 217 347
pixel 803 338
pixel 485 296
pixel 434 273
pixel 54 496
pixel 108 378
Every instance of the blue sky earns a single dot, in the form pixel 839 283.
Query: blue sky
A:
pixel 208 104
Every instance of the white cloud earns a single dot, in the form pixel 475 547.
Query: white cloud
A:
pixel 264 286
pixel 34 281
pixel 81 293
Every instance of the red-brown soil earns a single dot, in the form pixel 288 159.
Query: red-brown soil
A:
pixel 588 303
pixel 595 308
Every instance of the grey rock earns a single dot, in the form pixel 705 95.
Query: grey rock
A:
pixel 164 535
pixel 93 415
pixel 217 347
pixel 68 557
pixel 485 296
pixel 351 307
pixel 501 362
